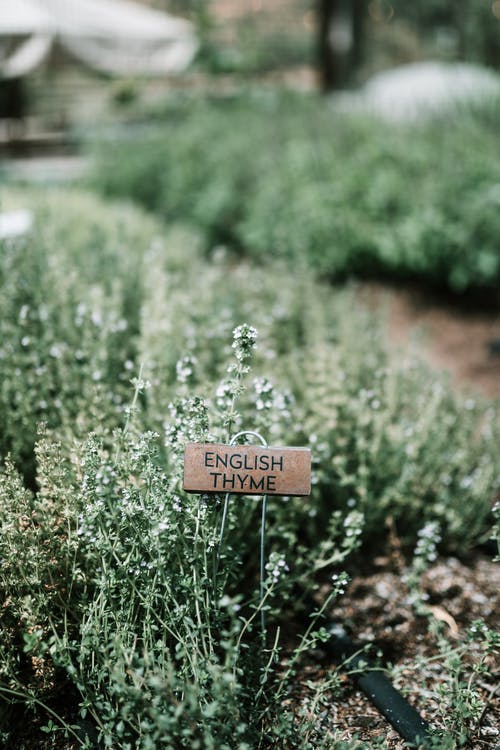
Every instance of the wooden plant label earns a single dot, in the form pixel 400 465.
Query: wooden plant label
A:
pixel 247 469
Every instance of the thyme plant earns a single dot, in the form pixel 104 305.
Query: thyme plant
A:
pixel 119 343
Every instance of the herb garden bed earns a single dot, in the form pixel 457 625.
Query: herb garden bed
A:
pixel 120 343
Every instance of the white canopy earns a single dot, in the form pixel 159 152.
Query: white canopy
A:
pixel 21 17
pixel 111 36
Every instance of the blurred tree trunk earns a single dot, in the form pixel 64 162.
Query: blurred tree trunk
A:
pixel 460 20
pixel 327 63
pixel 340 41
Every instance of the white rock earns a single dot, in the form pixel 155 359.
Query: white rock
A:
pixel 415 91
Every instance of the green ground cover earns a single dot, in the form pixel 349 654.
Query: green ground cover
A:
pixel 345 195
pixel 117 345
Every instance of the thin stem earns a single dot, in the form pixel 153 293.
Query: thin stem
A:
pixel 304 644
pixel 274 651
pixel 221 537
pixel 130 412
pixel 233 441
pixel 250 619
pixel 262 565
pixel 195 584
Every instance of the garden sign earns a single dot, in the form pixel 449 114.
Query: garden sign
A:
pixel 247 469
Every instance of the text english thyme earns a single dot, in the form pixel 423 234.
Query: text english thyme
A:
pixel 247 469
pixel 238 464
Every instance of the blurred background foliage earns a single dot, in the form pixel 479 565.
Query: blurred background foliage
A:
pixel 253 35
pixel 336 43
pixel 293 179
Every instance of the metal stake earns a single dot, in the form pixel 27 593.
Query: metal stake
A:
pixel 262 532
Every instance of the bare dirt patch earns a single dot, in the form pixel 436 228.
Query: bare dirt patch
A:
pixel 449 337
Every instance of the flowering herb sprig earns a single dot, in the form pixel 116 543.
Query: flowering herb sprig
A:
pixel 185 369
pixel 244 341
pixel 276 567
pixel 424 554
pixel 188 423
pixel 273 406
pixel 232 387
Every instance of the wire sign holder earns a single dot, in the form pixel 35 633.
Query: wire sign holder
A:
pixel 247 470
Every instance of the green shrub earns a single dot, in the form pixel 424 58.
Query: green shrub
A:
pixel 113 593
pixel 287 176
pixel 69 305
pixel 390 438
pixel 330 383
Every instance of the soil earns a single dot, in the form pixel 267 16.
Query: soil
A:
pixel 450 335
pixel 376 611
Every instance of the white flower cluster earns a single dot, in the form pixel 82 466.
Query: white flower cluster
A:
pixel 272 405
pixel 185 368
pixel 23 313
pixel 224 394
pixel 478 627
pixel 353 523
pixel 369 397
pixel 428 539
pixel 111 322
pixel 140 384
pixel 142 567
pixel 339 583
pixel 275 567
pixel 264 390
pixel 176 504
pixel 140 446
pixel 244 341
pixel 188 423
pixel 162 526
